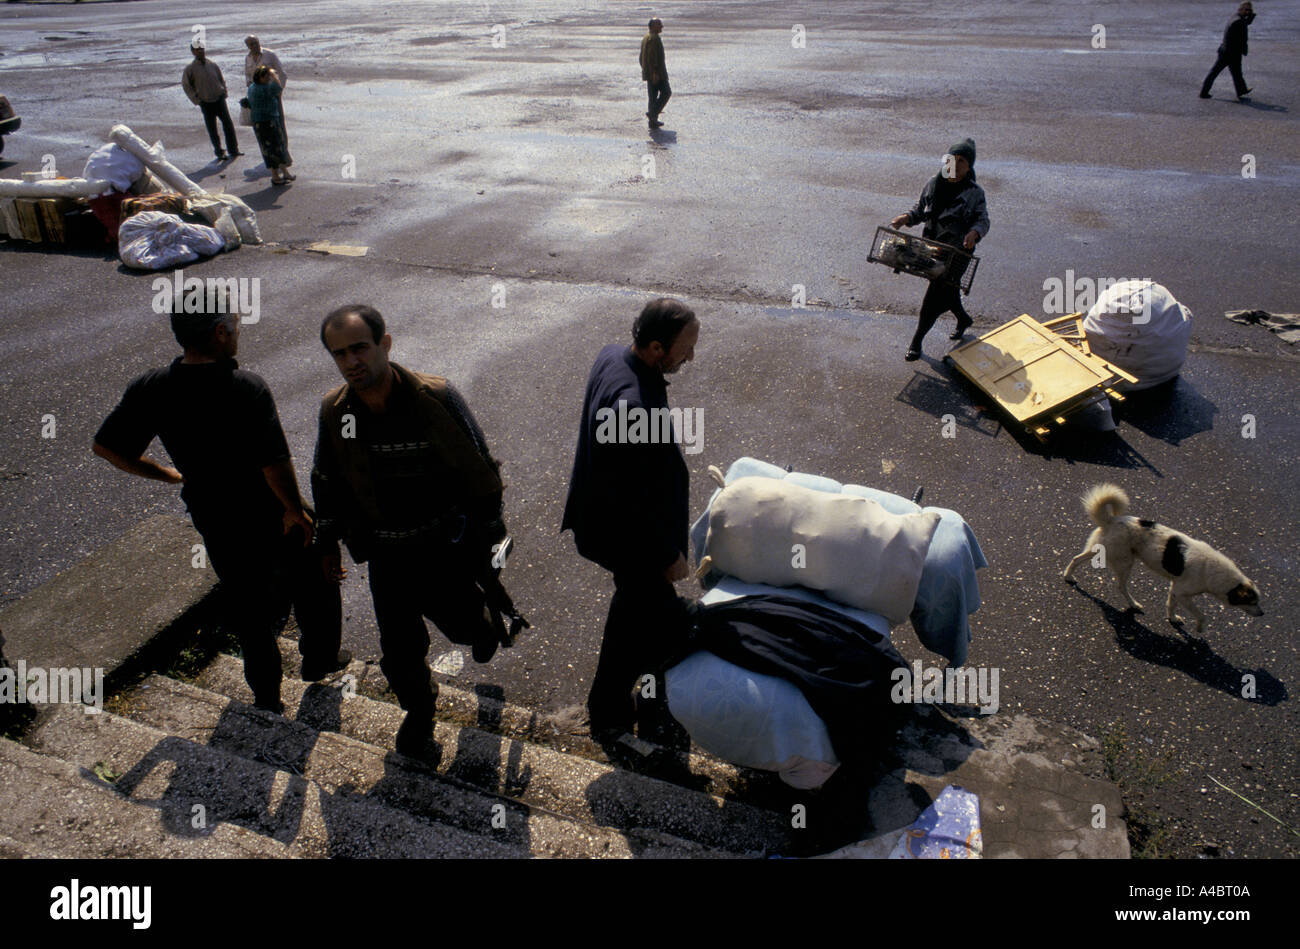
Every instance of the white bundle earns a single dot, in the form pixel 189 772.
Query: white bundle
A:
pixel 154 159
pixel 214 207
pixel 767 531
pixel 152 240
pixel 114 164
pixel 1139 326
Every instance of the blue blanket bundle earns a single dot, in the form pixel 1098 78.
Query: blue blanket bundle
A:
pixel 763 721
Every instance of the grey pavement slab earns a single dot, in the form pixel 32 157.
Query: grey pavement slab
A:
pixel 104 610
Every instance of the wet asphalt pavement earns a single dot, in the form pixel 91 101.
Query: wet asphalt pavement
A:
pixel 525 174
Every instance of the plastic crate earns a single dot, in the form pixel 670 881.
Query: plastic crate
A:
pixel 923 257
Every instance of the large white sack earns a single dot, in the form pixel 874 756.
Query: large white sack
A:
pixel 1139 326
pixel 152 240
pixel 849 547
pixel 114 164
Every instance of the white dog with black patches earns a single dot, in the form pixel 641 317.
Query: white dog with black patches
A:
pixel 1193 566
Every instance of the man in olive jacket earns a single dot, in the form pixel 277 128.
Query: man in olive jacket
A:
pixel 404 477
pixel 655 72
pixel 1231 50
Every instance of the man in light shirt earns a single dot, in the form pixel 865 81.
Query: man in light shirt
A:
pixel 257 56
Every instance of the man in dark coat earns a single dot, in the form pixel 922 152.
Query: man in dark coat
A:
pixel 953 209
pixel 628 507
pixel 1231 50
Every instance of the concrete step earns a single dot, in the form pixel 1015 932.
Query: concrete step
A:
pixel 166 779
pixel 461 706
pixel 54 808
pixel 105 610
pixel 347 766
pixel 588 791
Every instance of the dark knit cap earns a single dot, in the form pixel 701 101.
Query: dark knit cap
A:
pixel 965 148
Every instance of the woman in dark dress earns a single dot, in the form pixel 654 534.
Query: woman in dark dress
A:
pixel 952 207
pixel 268 124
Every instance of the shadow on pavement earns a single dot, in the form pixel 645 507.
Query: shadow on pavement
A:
pixel 1172 411
pixel 935 397
pixel 1193 657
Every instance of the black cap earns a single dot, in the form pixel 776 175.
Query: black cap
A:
pixel 965 148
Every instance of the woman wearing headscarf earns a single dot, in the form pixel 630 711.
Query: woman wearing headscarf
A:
pixel 952 207
pixel 268 124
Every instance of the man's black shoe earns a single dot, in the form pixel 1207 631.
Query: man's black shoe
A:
pixel 1206 95
pixel 962 327
pixel 485 648
pixel 416 733
pixel 221 156
pixel 276 707
pixel 236 154
pixel 314 672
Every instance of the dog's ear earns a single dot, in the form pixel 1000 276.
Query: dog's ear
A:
pixel 1243 594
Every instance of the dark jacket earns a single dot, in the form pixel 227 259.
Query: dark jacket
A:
pixel 1234 37
pixel 652 57
pixel 843 668
pixel 628 504
pixel 950 221
pixel 427 411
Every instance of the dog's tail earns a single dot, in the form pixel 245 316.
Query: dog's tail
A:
pixel 1104 503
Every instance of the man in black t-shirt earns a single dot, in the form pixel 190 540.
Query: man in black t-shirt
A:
pixel 220 427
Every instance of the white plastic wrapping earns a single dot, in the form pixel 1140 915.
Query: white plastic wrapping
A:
pixel 113 164
pixel 1139 326
pixel 212 208
pixel 154 158
pixel 152 240
pixel 52 188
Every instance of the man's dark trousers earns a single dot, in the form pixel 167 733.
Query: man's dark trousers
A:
pixel 1232 62
pixel 658 94
pixel 647 628
pixel 263 572
pixel 217 110
pixel 435 581
pixel 941 297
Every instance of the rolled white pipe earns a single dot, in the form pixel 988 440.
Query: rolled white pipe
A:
pixel 160 166
pixel 52 188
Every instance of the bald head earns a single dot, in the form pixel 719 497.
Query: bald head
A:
pixel 253 43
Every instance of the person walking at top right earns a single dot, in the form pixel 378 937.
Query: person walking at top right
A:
pixel 1231 50
pixel 952 207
